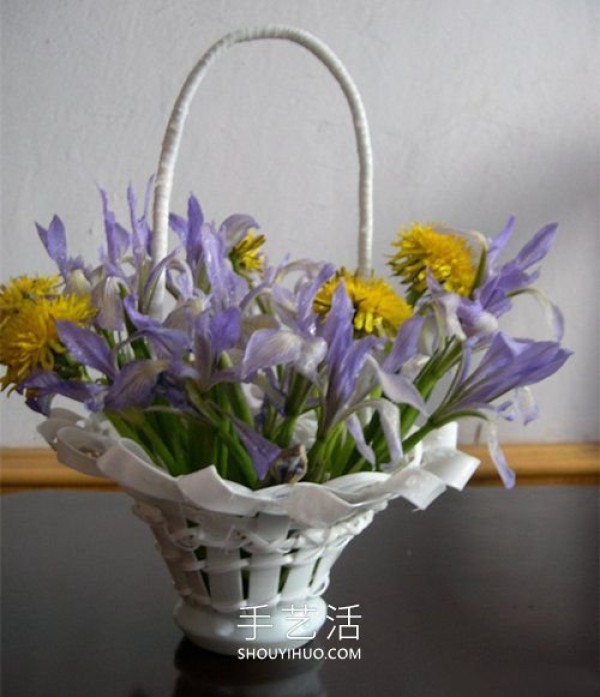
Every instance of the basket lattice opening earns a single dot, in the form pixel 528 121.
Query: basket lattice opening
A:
pixel 231 561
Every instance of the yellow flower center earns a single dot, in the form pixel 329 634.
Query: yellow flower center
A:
pixel 29 309
pixel 422 250
pixel 246 255
pixel 377 307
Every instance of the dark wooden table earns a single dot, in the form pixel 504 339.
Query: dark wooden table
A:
pixel 487 593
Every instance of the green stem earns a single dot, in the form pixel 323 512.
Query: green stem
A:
pixel 297 395
pixel 317 462
pixel 285 434
pixel 333 451
pixel 427 380
pixel 218 421
pixel 359 465
pixel 418 436
pixel 236 395
pixel 345 452
pixel 437 421
pixel 270 421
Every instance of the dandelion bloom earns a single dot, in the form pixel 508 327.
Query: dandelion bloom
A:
pixel 447 257
pixel 378 309
pixel 246 255
pixel 29 310
pixel 21 290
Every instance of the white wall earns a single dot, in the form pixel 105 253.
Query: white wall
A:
pixel 478 109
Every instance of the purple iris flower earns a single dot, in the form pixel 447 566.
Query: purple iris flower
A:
pixel 42 386
pixel 207 259
pixel 167 342
pixel 140 229
pixel 107 297
pixel 225 329
pixel 54 239
pixel 262 451
pixel 406 344
pixel 305 315
pixel 345 357
pixel 234 228
pixel 180 281
pixel 270 347
pixel 337 329
pixel 213 334
pixel 227 288
pixel 515 275
pixel 118 240
pixel 501 282
pixel 295 337
pixel 135 384
pixel 353 373
pixel 190 233
pixel 207 249
pixel 507 364
pixel 88 348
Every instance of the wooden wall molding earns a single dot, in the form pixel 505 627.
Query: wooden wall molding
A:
pixel 558 463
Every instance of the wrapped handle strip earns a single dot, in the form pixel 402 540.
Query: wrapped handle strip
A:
pixel 173 134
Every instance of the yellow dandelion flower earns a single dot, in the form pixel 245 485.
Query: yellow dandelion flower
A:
pixel 377 307
pixel 448 257
pixel 29 309
pixel 246 256
pixel 21 290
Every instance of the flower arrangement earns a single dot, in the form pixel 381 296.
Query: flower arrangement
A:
pixel 278 373
pixel 261 414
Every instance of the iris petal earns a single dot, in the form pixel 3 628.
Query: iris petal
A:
pixel 269 347
pixel 134 385
pixel 55 241
pixel 87 347
pixel 506 473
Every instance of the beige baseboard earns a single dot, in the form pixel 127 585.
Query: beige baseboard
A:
pixel 558 463
pixel 537 463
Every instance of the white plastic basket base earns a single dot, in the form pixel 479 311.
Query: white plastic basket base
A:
pixel 283 626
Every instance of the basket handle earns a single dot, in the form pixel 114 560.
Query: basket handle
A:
pixel 172 140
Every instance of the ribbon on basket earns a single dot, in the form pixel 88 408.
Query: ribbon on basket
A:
pixel 87 448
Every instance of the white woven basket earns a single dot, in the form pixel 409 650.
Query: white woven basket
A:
pixel 222 563
pixel 229 548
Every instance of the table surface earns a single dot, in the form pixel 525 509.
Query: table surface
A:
pixel 488 592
